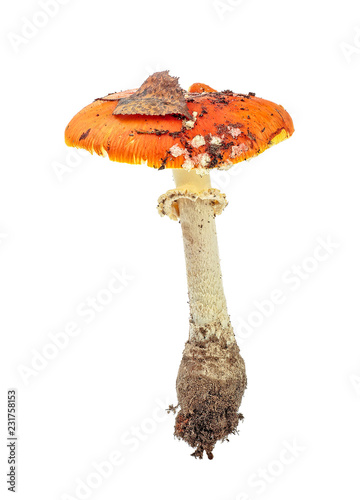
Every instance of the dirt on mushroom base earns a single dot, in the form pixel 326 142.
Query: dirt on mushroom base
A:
pixel 210 385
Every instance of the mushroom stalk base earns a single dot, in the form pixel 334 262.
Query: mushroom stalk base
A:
pixel 211 378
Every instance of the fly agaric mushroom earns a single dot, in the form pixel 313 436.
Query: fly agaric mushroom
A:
pixel 191 132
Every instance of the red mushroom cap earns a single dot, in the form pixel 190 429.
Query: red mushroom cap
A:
pixel 171 128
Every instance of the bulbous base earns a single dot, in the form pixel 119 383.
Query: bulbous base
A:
pixel 210 384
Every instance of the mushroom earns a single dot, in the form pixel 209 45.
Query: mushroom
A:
pixel 191 132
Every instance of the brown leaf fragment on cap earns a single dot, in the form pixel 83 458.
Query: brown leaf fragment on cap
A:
pixel 160 95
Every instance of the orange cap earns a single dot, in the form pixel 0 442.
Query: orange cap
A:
pixel 162 125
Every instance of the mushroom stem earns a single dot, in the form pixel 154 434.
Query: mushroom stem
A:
pixel 211 378
pixel 191 180
pixel 208 310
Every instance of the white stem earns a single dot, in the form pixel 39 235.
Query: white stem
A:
pixel 208 311
pixel 191 180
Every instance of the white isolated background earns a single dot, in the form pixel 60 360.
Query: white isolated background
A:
pixel 92 420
